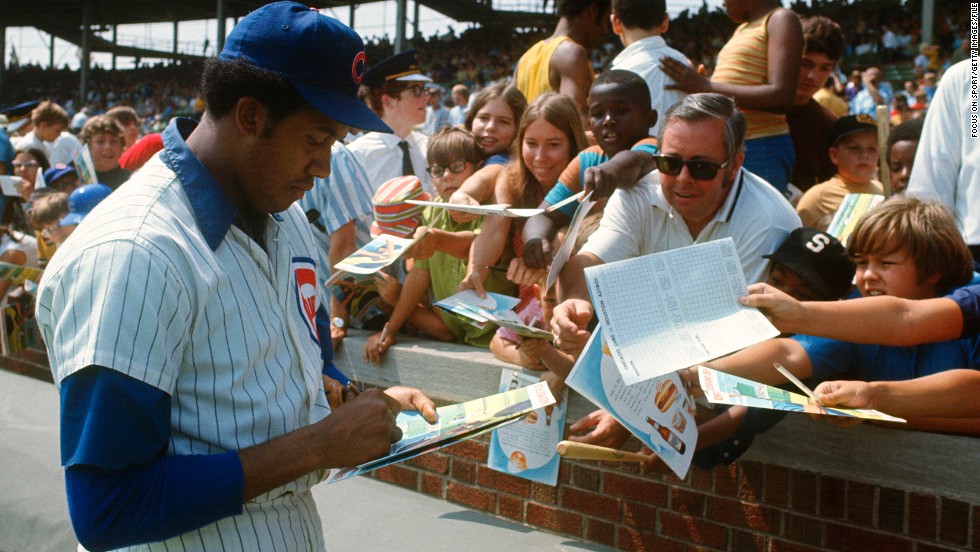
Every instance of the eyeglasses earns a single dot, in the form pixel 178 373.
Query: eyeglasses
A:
pixel 437 171
pixel 417 90
pixel 27 165
pixel 700 170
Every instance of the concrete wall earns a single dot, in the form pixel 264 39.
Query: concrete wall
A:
pixel 803 486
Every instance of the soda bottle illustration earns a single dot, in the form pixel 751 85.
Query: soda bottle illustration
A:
pixel 668 435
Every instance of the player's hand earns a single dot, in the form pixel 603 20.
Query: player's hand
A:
pixel 524 275
pixel 569 322
pixel 410 398
pixel 474 280
pixel 537 253
pixel 361 429
pixel 336 393
pixel 389 288
pixel 600 428
pixel 374 348
pixel 786 313
pixel 460 197
pixel 686 78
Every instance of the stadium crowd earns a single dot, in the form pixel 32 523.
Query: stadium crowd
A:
pixel 684 129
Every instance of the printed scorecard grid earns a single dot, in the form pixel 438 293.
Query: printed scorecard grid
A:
pixel 671 310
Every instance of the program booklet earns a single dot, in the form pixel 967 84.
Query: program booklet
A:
pixel 455 423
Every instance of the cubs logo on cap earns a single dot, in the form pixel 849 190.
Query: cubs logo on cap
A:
pixel 304 277
pixel 320 56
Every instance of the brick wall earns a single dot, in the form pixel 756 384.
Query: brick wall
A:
pixel 749 505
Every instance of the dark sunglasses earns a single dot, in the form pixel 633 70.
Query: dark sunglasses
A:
pixel 417 90
pixel 700 170
pixel 436 171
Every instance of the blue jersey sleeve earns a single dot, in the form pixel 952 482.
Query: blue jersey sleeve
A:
pixel 122 487
pixel 968 299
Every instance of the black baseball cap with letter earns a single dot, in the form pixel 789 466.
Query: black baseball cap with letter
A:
pixel 320 56
pixel 819 259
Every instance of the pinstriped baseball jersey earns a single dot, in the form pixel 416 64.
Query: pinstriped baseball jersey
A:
pixel 228 333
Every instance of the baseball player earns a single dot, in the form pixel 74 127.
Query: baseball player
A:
pixel 182 316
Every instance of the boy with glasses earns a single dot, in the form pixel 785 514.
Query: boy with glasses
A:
pixel 441 256
pixel 397 93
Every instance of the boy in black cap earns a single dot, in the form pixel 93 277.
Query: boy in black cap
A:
pixel 193 402
pixel 398 93
pixel 811 265
pixel 854 152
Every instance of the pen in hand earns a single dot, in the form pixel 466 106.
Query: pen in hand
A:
pixel 353 388
pixel 384 335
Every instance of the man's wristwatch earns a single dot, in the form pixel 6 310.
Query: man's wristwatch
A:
pixel 338 322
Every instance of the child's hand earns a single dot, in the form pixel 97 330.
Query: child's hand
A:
pixel 555 382
pixel 376 347
pixel 686 78
pixel 460 197
pixel 425 247
pixel 537 253
pixel 569 323
pixel 530 351
pixel 474 281
pixel 522 274
pixel 389 288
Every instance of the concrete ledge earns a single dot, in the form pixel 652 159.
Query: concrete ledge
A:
pixel 902 459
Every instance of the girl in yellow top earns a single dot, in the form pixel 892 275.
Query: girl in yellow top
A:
pixel 759 66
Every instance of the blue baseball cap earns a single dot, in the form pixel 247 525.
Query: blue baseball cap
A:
pixel 320 56
pixel 57 171
pixel 81 202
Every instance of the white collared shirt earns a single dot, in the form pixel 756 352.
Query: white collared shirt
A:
pixel 639 221
pixel 381 157
pixel 643 58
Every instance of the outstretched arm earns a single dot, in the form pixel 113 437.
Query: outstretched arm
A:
pixel 883 320
pixel 949 394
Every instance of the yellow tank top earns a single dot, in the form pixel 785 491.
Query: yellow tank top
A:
pixel 744 60
pixel 532 77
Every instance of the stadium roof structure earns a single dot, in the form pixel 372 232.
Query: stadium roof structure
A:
pixel 65 18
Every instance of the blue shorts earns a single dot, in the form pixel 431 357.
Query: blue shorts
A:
pixel 771 158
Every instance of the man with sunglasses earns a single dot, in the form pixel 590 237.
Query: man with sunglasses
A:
pixel 699 193
pixel 397 93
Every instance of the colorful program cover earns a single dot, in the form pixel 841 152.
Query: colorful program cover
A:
pixel 85 167
pixel 658 411
pixel 852 208
pixel 723 388
pixel 376 254
pixel 16 274
pixel 457 422
pixel 528 449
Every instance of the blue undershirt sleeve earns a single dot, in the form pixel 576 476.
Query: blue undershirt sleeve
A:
pixel 122 487
pixel 326 347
